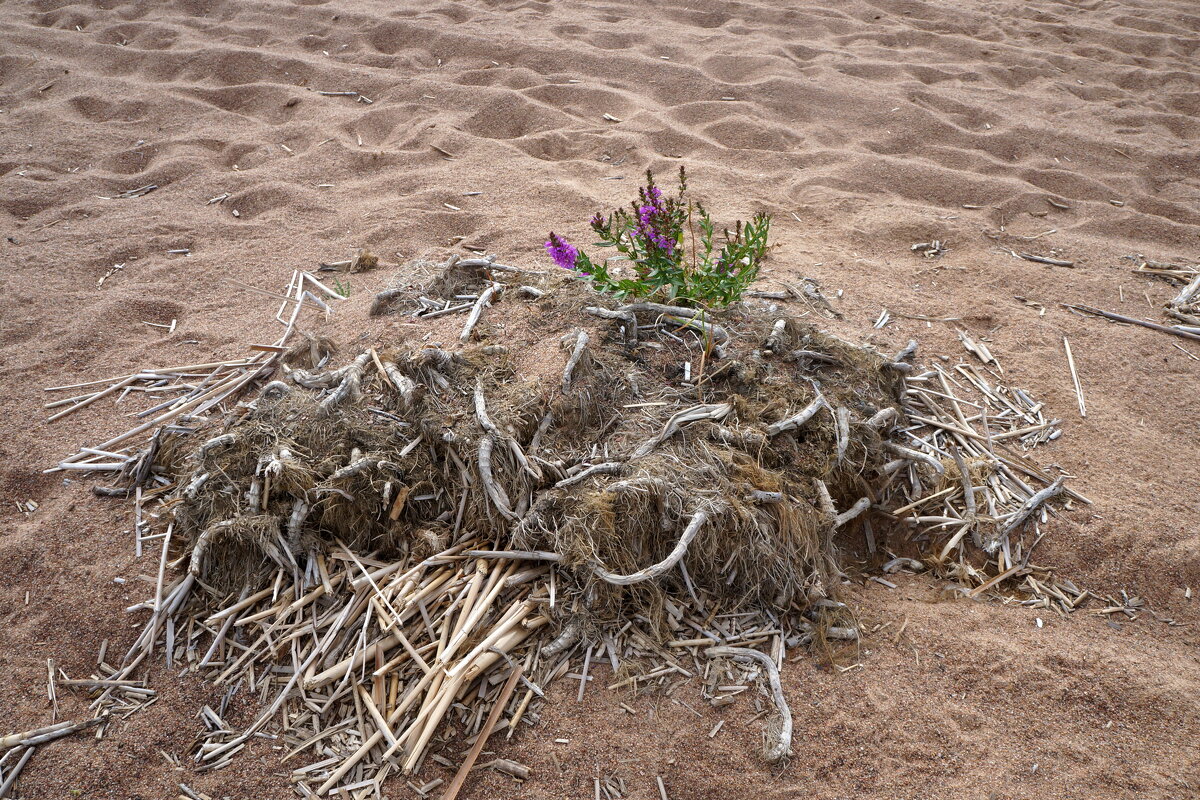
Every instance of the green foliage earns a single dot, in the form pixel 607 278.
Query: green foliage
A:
pixel 673 251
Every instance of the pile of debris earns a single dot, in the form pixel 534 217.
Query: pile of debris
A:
pixel 398 554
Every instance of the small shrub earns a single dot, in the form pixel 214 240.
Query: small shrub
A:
pixel 670 245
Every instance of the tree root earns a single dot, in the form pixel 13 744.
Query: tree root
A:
pixel 797 420
pixel 694 525
pixel 781 748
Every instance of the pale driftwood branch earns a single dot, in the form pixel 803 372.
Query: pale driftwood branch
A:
pixel 84 403
pixel 660 308
pixel 11 778
pixel 968 492
pixel 782 747
pixel 487 262
pixel 200 548
pixel 581 341
pixel 543 426
pixel 1075 377
pixel 842 420
pixel 914 455
pixel 797 420
pixel 909 350
pixel 48 733
pixel 825 500
pixel 569 636
pixel 1188 295
pixel 274 390
pixel 507 766
pixel 778 336
pixel 811 291
pixel 693 527
pixel 708 329
pixel 897 564
pixel 495 434
pixel 481 413
pixel 317 380
pixel 384 299
pixel 516 555
pixel 350 389
pixel 607 468
pixel 1132 321
pixel 686 317
pixel 813 355
pixel 356 467
pixel 711 411
pixel 215 443
pixel 860 505
pixel 494 490
pixel 473 318
pixel 408 388
pixel 1031 505
pixel 299 514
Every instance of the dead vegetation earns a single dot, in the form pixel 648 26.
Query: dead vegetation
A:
pixel 381 549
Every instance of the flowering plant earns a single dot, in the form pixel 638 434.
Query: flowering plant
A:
pixel 669 242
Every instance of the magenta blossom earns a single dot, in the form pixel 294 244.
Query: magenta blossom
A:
pixel 563 252
pixel 646 229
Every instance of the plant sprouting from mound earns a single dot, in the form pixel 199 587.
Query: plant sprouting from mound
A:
pixel 672 249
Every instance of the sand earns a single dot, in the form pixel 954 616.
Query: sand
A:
pixel 862 126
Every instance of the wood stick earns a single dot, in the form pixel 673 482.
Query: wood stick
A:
pixel 146 373
pixel 968 491
pixel 477 310
pixel 713 412
pixel 46 734
pixel 162 569
pixel 505 694
pixel 843 432
pixel 1075 377
pixel 796 420
pixel 1023 513
pixel 515 555
pixel 1132 321
pixel 581 341
pixel 861 505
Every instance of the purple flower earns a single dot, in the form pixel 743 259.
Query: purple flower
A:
pixel 562 251
pixel 655 195
pixel 598 221
pixel 646 229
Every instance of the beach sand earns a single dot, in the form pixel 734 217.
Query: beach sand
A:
pixel 1062 129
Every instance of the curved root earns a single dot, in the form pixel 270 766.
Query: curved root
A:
pixel 782 747
pixel 653 571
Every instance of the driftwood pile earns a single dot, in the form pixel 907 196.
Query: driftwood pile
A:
pixel 398 554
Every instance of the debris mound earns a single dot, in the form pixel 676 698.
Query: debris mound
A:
pixel 382 549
